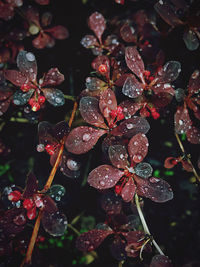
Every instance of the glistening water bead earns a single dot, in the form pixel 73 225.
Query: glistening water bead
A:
pixel 30 56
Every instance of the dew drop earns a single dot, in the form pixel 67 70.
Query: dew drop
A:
pixel 30 56
pixel 73 165
pixel 86 137
pixel 129 126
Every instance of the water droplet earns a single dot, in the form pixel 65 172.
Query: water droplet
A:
pixel 154 180
pixel 86 137
pixel 73 165
pixel 30 56
pixel 102 183
pixel 129 126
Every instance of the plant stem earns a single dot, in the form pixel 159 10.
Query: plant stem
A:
pixel 74 229
pixel 69 97
pixel 188 160
pixel 144 224
pixel 120 264
pixel 27 259
pixel 46 187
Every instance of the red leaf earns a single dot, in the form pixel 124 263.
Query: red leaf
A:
pixel 138 147
pixel 97 24
pixel 4 105
pixel 186 166
pixel 53 77
pixel 135 239
pixel 129 108
pixel 132 88
pixel 93 83
pixel 89 109
pixel 15 77
pixel 131 127
pixel 161 261
pixel 118 156
pixel 169 72
pixel 156 189
pixel 134 61
pixel 163 88
pixel 182 120
pixel 27 64
pixel 193 135
pixel 81 139
pixel 111 203
pixel 170 162
pixel 104 176
pixel 43 40
pixel 107 103
pixel 127 33
pixel 128 190
pixel 59 32
pixel 31 186
pixel 54 96
pixel 194 83
pixel 89 41
pixel 32 15
pixel 91 240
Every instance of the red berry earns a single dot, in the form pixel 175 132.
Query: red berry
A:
pixel 25 87
pixel 50 149
pixel 113 113
pixel 146 43
pixel 151 78
pixel 14 196
pixel 147 73
pixel 118 189
pixel 31 213
pixel 174 162
pixel 155 115
pixel 103 68
pixel 35 106
pixel 41 99
pixel 28 204
pixel 31 101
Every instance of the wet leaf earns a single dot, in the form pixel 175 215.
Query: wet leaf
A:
pixel 191 40
pixel 101 60
pixel 182 120
pixel 193 135
pixel 20 98
pixel 111 203
pixel 91 240
pixel 134 61
pixel 169 72
pixel 194 83
pixel 81 139
pixel 53 77
pixel 132 88
pixel 54 96
pixel 31 186
pixel 161 261
pixel 56 192
pixel 170 162
pixel 54 223
pixel 127 33
pixel 128 190
pixel 27 64
pixel 93 83
pixel 135 239
pixel 129 108
pixel 97 24
pixel 107 103
pixel 131 127
pixel 15 77
pixel 144 170
pixel 89 41
pixel 154 188
pixel 59 32
pixel 118 156
pixel 89 109
pixel 138 147
pixel 117 248
pixel 104 176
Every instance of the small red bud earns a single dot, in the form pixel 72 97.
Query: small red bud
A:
pixel 25 87
pixel 35 106
pixel 118 189
pixel 113 113
pixel 28 204
pixel 50 149
pixel 103 68
pixel 146 43
pixel 151 78
pixel 31 213
pixel 147 73
pixel 41 99
pixel 14 196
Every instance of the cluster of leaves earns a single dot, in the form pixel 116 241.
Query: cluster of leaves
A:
pixel 129 69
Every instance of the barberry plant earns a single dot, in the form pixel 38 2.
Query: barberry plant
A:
pixel 120 128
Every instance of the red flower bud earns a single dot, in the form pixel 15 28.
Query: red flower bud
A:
pixel 41 99
pixel 14 196
pixel 31 213
pixel 103 68
pixel 25 87
pixel 28 204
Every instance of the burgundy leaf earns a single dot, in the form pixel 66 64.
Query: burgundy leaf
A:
pixel 161 261
pixel 97 24
pixel 16 77
pixel 42 2
pixel 187 166
pixel 49 205
pixel 132 88
pixel 138 147
pixel 134 61
pixel 129 108
pixel 81 139
pixel 127 33
pixel 91 240
pixel 53 77
pixel 89 41
pixel 104 176
pixel 163 88
pixel 191 39
pixel 93 83
pixel 60 130
pixel 117 248
pixel 43 40
pixel 45 133
pixel 59 32
pixel 182 120
pixel 169 72
pixel 32 15
pixel 170 162
pixel 6 11
pixel 193 135
pixel 89 109
pixel 54 223
pixel 162 99
pixel 128 190
pixel 111 203
pixel 31 186
pixel 4 105
pixel 118 156
pixel 194 83
pixel 27 64
pixel 131 127
pixel 167 13
pixel 54 96
pixel 101 60
pixel 135 239
pixel 107 103
pixel 154 188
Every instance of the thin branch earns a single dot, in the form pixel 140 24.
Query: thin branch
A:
pixel 69 97
pixel 27 259
pixel 73 229
pixel 188 159
pixel 144 224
